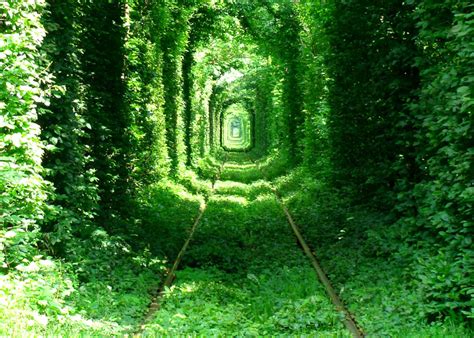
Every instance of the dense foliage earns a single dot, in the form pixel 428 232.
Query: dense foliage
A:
pixel 400 133
pixel 116 116
pixel 24 76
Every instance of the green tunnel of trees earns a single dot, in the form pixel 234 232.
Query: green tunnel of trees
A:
pixel 102 100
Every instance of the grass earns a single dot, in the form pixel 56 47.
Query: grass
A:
pixel 378 288
pixel 243 274
pixel 245 173
pixel 248 276
pixel 280 301
pixel 167 210
pixel 104 295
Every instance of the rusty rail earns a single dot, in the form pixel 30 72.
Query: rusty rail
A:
pixel 348 320
pixel 170 277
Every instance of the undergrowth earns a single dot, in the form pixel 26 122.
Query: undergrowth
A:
pixel 245 275
pixel 379 286
pixel 278 301
pixel 102 289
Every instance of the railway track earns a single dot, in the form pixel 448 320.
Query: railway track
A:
pixel 348 319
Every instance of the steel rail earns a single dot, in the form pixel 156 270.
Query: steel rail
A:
pixel 154 305
pixel 349 320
